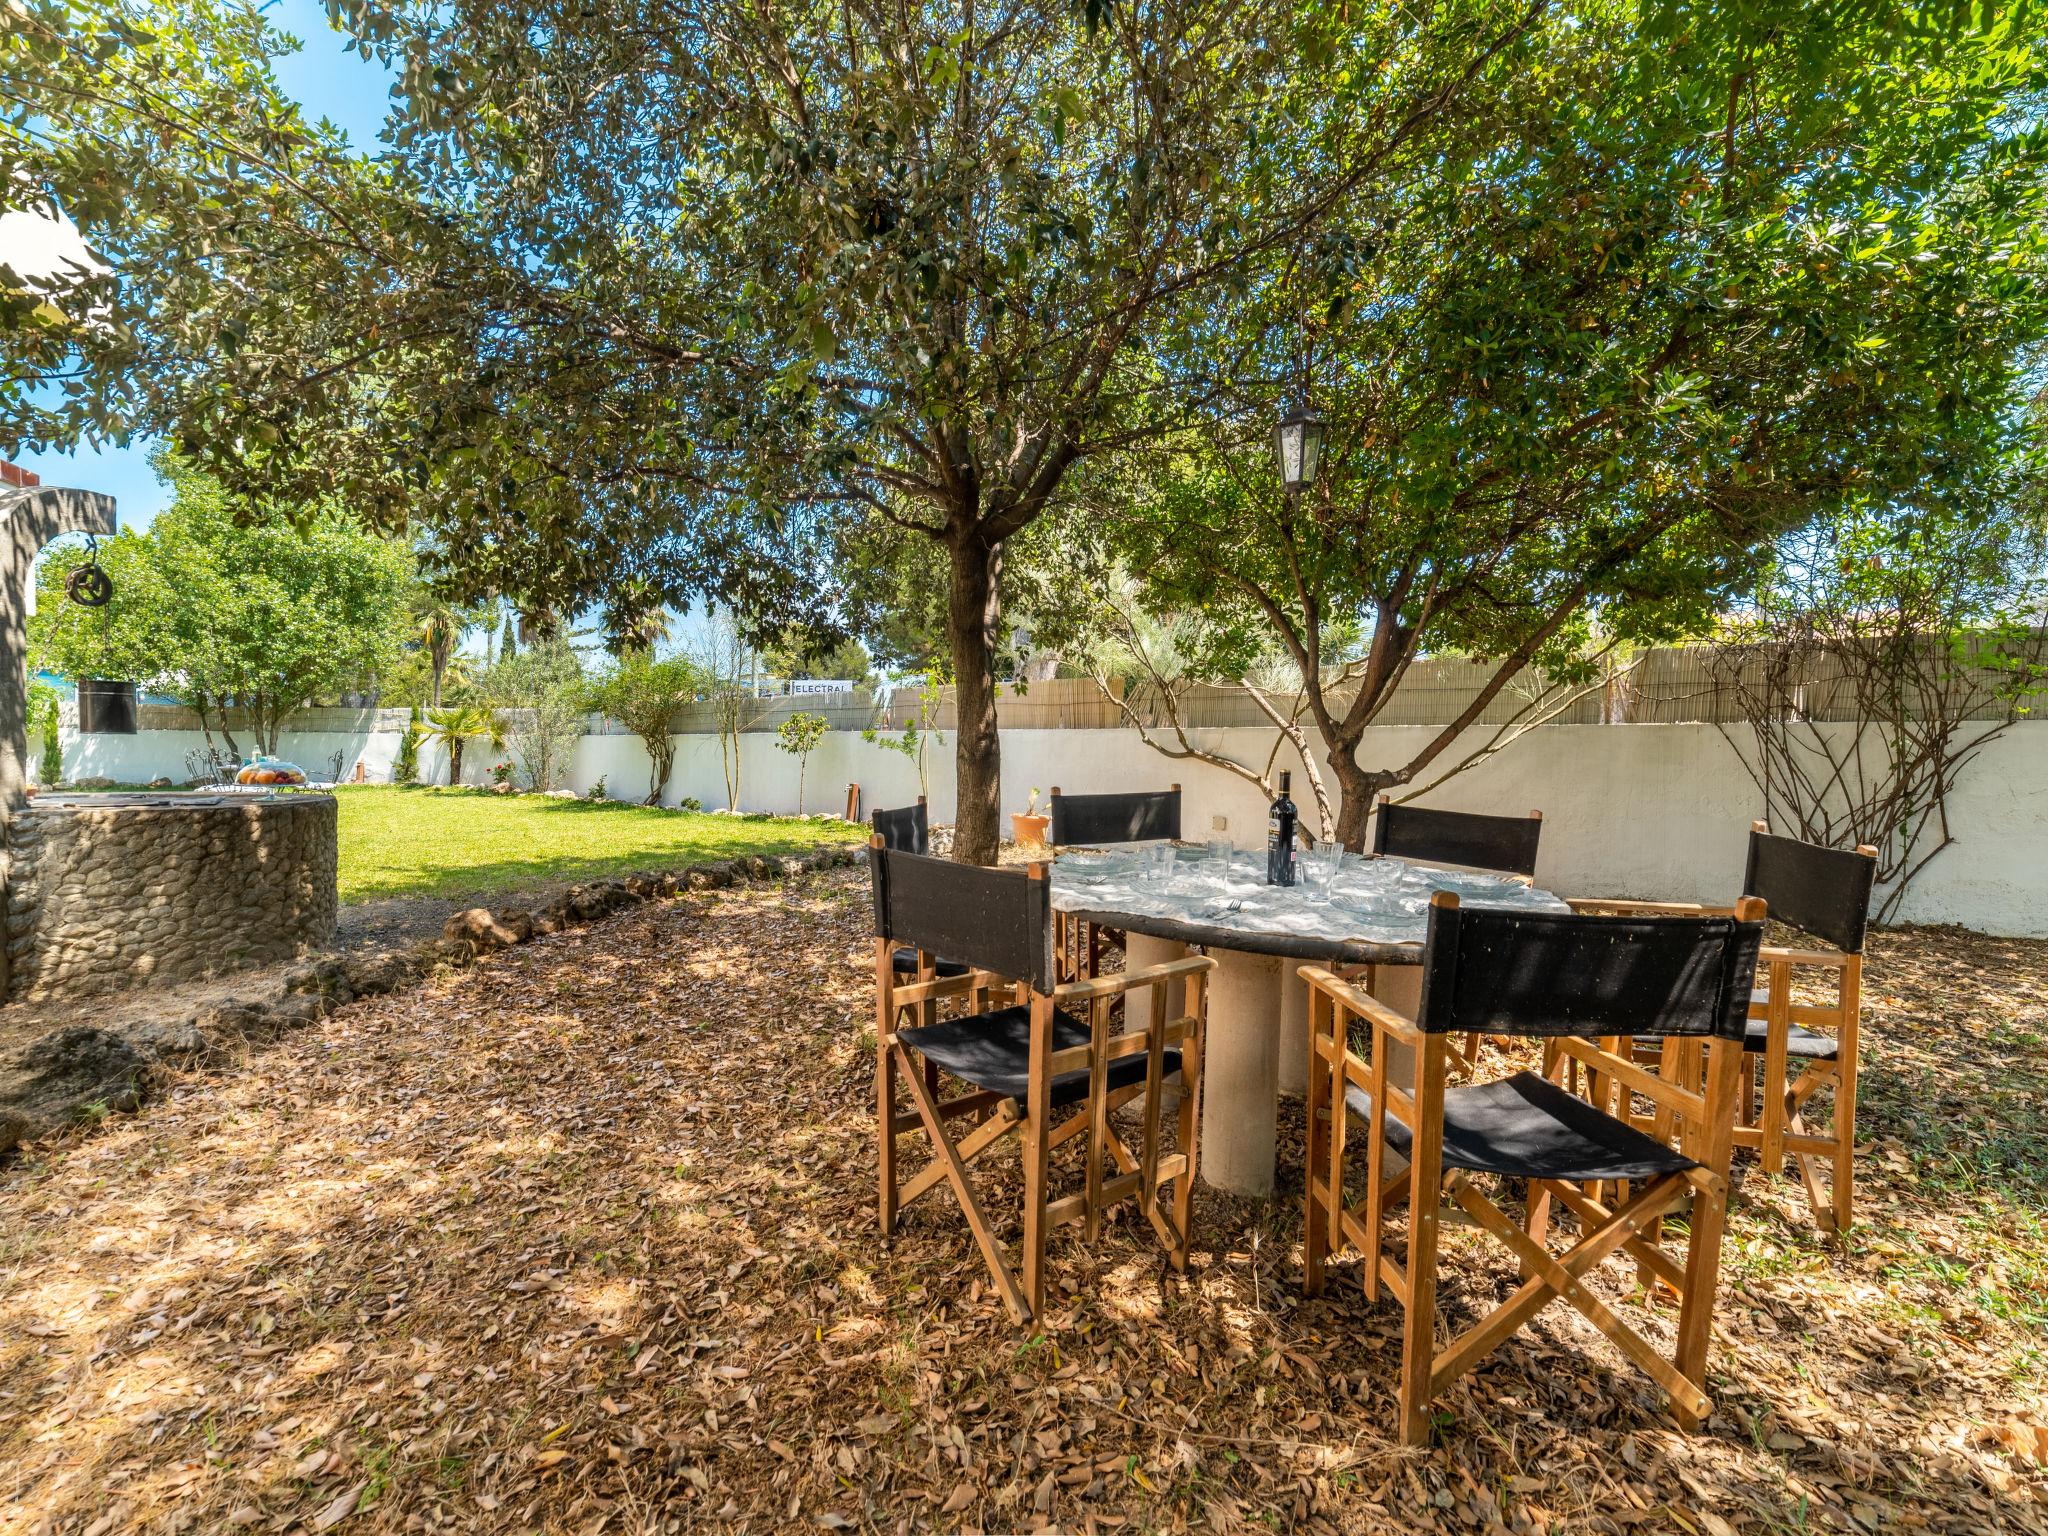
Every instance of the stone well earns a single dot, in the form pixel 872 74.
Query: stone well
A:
pixel 108 892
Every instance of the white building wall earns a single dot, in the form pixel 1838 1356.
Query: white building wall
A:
pixel 1654 811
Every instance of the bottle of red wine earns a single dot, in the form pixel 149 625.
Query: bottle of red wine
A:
pixel 1280 838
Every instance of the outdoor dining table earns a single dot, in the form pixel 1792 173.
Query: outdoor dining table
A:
pixel 1370 911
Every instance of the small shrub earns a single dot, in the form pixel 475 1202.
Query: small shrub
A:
pixel 598 790
pixel 407 769
pixel 501 771
pixel 690 803
pixel 51 769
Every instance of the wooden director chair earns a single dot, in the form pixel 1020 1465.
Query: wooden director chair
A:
pixel 1582 985
pixel 1501 844
pixel 1038 1060
pixel 1824 893
pixel 908 831
pixel 1504 843
pixel 1100 821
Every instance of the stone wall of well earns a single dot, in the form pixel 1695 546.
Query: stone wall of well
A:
pixel 107 897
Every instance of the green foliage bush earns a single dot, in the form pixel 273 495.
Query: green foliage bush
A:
pixel 407 769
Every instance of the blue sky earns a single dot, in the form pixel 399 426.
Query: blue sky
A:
pixel 329 80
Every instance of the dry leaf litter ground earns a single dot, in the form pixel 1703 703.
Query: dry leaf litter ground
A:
pixel 583 1240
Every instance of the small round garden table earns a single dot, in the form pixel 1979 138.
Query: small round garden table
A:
pixel 1373 911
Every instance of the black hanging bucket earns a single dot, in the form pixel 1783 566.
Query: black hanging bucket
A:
pixel 105 707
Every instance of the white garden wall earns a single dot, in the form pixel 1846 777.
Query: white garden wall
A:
pixel 1654 811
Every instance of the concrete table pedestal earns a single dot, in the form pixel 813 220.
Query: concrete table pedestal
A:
pixel 1292 1004
pixel 1241 1072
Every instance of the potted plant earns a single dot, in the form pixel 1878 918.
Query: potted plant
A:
pixel 1027 826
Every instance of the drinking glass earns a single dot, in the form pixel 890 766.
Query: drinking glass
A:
pixel 1217 858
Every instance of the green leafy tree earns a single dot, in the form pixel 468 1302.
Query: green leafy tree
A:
pixel 453 729
pixel 259 616
pixel 46 711
pixel 1579 381
pixel 542 698
pixel 643 694
pixel 800 734
pixel 792 657
pixel 908 264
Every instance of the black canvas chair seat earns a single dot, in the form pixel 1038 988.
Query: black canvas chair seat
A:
pixel 993 1051
pixel 1526 1127
pixel 905 961
pixel 1800 1042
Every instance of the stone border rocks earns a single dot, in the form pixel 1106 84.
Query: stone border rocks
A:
pixel 77 1074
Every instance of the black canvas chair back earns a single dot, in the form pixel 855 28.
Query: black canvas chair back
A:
pixel 1457 837
pixel 1541 974
pixel 1821 891
pixel 905 830
pixel 991 919
pixel 1093 820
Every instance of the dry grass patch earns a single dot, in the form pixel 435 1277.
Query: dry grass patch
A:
pixel 583 1240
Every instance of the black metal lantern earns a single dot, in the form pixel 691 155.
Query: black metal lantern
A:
pixel 106 707
pixel 1298 445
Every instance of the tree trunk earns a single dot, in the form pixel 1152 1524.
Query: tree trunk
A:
pixel 1358 790
pixel 663 757
pixel 227 735
pixel 972 608
pixel 454 761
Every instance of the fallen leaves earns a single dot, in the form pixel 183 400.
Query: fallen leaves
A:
pixel 584 1240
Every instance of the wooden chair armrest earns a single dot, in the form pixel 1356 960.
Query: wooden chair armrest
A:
pixel 1833 959
pixel 906 993
pixel 1364 1004
pixel 1123 981
pixel 1625 908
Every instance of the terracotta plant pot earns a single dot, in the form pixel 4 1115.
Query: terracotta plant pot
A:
pixel 1029 830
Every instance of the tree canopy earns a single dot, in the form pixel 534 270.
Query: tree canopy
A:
pixel 818 312
pixel 262 617
pixel 1586 373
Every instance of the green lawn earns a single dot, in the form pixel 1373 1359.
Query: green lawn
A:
pixel 414 842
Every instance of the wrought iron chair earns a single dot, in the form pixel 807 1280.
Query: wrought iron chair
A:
pixel 1582 985
pixel 1505 843
pixel 1098 821
pixel 1824 893
pixel 1038 1060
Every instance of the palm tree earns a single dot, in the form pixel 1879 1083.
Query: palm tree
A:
pixel 439 627
pixel 453 727
pixel 640 635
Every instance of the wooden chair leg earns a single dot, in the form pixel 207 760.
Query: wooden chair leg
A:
pixel 1037 1118
pixel 1722 1067
pixel 1425 1167
pixel 1778 1023
pixel 885 1085
pixel 1315 1237
pixel 1188 1129
pixel 948 1153
pixel 1850 1001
